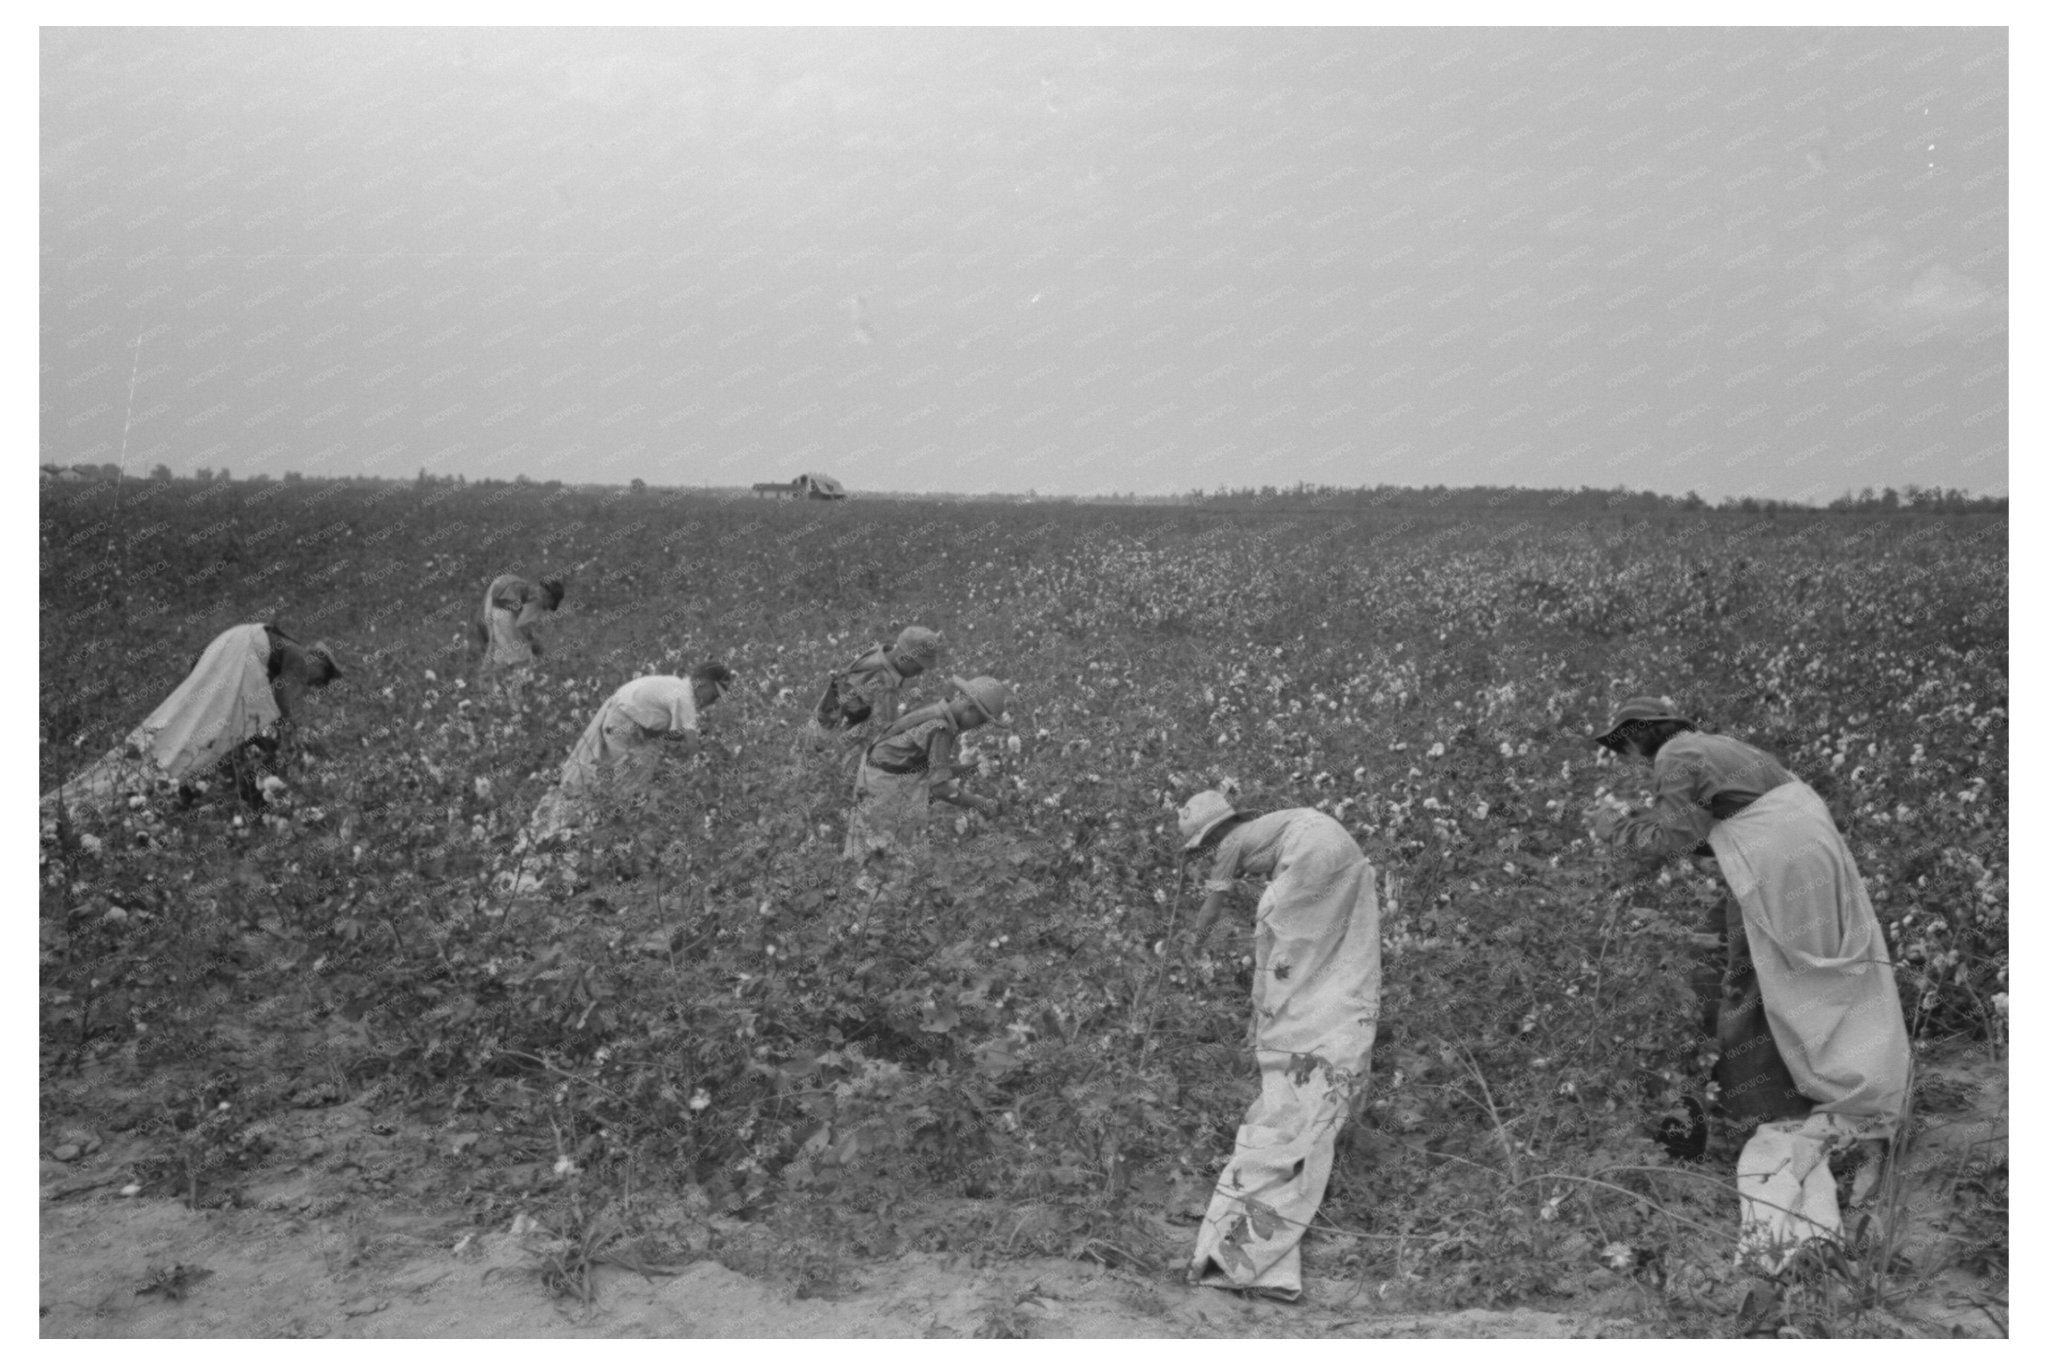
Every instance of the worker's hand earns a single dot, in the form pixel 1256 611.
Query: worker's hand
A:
pixel 1602 821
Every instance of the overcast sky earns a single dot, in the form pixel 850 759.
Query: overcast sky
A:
pixel 1741 261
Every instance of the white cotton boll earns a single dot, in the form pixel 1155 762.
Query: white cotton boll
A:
pixel 431 677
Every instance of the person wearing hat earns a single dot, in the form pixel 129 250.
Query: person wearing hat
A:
pixel 910 764
pixel 1813 1047
pixel 504 628
pixel 870 687
pixel 230 717
pixel 1315 1011
pixel 619 748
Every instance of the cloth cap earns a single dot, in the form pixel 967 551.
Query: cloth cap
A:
pixel 1203 812
pixel 989 696
pixel 324 652
pixel 1639 709
pixel 920 644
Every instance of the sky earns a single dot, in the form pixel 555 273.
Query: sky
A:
pixel 1764 262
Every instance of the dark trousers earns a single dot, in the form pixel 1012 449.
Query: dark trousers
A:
pixel 1755 1084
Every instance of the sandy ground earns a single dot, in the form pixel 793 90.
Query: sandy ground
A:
pixel 339 1233
pixel 276 1275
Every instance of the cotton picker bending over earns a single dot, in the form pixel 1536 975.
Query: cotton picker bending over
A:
pixel 911 764
pixel 619 752
pixel 870 687
pixel 504 627
pixel 231 712
pixel 1315 1012
pixel 1813 1043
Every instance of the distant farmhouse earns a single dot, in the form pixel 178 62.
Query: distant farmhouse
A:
pixel 822 487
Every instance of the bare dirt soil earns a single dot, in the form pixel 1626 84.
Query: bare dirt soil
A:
pixel 387 1274
pixel 348 1229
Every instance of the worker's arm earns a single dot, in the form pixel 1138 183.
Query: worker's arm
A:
pixel 1221 878
pixel 1212 910
pixel 946 774
pixel 530 614
pixel 952 796
pixel 288 683
pixel 1676 823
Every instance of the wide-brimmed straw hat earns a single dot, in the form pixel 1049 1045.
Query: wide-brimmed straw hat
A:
pixel 1203 812
pixel 1635 710
pixel 989 696
pixel 916 642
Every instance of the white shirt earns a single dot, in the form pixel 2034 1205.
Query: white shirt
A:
pixel 658 702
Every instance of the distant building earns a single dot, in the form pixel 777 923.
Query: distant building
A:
pixel 822 487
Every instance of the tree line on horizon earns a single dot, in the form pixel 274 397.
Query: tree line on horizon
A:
pixel 1440 497
pixel 1913 498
